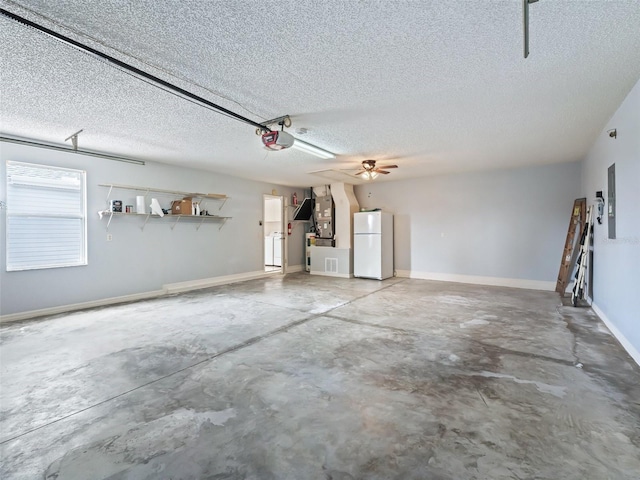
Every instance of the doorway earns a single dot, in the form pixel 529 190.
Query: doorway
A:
pixel 274 238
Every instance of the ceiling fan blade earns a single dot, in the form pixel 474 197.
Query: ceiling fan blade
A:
pixel 360 172
pixel 384 172
pixel 388 166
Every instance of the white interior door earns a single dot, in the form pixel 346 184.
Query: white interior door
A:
pixel 273 230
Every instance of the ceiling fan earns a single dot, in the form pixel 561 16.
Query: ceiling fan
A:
pixel 370 171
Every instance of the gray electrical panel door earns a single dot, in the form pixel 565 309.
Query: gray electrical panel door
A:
pixel 611 194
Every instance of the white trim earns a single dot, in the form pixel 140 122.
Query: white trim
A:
pixel 13 317
pixel 476 280
pixel 626 344
pixel 166 289
pixel 327 274
pixel 295 268
pixel 215 281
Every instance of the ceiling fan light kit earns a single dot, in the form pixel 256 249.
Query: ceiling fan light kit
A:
pixel 369 175
pixel 370 171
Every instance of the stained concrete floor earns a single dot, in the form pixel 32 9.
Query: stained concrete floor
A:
pixel 304 377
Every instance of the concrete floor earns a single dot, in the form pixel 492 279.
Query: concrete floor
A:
pixel 305 377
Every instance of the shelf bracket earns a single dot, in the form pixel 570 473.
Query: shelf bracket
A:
pixel 145 222
pixel 223 202
pixel 177 220
pixel 109 194
pixel 224 220
pixel 109 222
pixel 200 224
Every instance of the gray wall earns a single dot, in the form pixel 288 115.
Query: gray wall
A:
pixel 138 261
pixel 508 224
pixel 616 268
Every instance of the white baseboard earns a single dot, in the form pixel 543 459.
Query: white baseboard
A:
pixel 167 289
pixel 328 274
pixel 13 317
pixel 477 280
pixel 213 281
pixel 626 344
pixel 295 268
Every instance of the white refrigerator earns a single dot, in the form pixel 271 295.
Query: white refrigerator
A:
pixel 373 245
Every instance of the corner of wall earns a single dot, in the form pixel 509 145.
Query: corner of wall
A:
pixel 616 261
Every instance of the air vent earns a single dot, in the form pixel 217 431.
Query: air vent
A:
pixel 331 265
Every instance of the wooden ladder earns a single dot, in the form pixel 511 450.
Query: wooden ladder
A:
pixel 577 292
pixel 569 254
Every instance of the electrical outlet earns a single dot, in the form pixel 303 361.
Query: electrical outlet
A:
pixel 109 237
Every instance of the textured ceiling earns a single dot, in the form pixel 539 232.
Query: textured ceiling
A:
pixel 434 87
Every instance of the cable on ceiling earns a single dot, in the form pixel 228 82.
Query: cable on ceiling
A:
pixel 140 74
pixel 140 60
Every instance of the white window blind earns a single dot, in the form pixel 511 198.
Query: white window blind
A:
pixel 46 217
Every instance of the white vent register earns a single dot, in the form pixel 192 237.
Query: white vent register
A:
pixel 331 265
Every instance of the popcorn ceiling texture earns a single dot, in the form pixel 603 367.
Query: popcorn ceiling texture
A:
pixel 436 86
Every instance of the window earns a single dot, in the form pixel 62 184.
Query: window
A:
pixel 46 217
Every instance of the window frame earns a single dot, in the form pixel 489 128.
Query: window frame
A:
pixel 10 262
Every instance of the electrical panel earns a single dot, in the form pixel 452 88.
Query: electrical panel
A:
pixel 611 197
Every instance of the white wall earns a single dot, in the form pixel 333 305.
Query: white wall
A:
pixel 345 206
pixel 504 227
pixel 136 261
pixel 616 267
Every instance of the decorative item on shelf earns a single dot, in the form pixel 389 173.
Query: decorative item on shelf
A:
pixel 129 209
pixel 156 209
pixel 116 206
pixel 182 207
pixel 140 205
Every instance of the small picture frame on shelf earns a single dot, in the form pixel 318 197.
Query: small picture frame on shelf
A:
pixel 116 206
